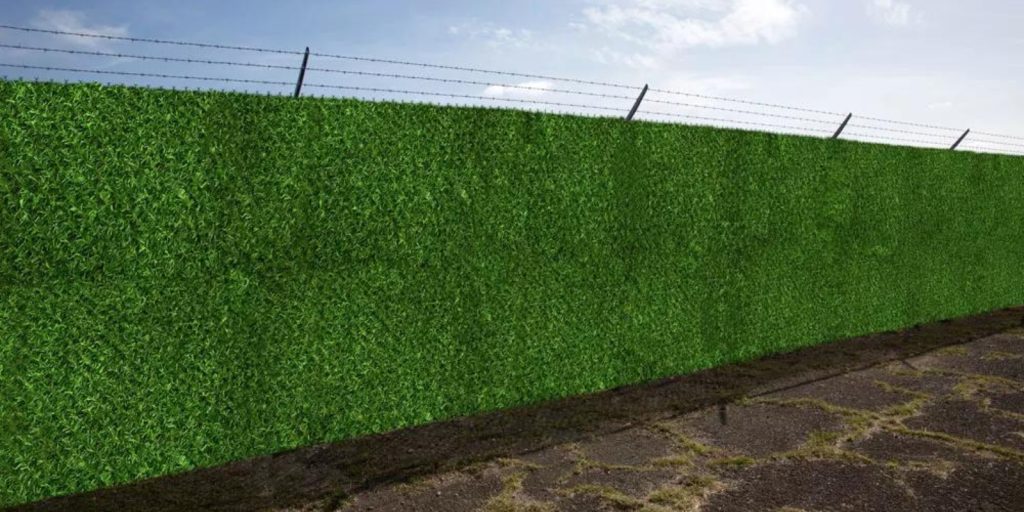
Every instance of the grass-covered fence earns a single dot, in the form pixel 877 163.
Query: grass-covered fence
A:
pixel 192 278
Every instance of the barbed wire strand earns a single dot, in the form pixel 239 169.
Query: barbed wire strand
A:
pixel 413 77
pixel 146 57
pixel 149 40
pixel 402 76
pixel 37 79
pixel 329 97
pixel 898 130
pixel 721 120
pixel 327 55
pixel 464 96
pixel 905 123
pixel 318 69
pixel 469 69
pixel 740 111
pixel 532 102
pixel 995 142
pixel 471 82
pixel 747 102
pixel 395 91
pixel 898 139
pixel 970 147
pixel 475 70
pixel 408 77
pixel 987 134
pixel 313 85
pixel 150 75
pixel 990 150
pixel 782 130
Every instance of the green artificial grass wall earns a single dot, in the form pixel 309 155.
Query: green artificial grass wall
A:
pixel 191 278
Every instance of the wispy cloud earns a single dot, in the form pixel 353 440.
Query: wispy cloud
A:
pixel 75 21
pixel 667 25
pixel 707 85
pixel 637 60
pixel 643 34
pixel 493 35
pixel 528 89
pixel 891 12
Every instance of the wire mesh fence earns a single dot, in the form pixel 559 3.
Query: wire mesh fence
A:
pixel 259 70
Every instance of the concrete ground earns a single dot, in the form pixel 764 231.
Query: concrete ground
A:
pixel 931 418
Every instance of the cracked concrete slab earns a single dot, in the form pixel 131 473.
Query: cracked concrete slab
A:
pixel 812 485
pixel 966 419
pixel 982 486
pixel 897 448
pixel 633 483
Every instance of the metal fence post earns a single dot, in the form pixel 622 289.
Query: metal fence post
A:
pixel 632 111
pixel 961 139
pixel 302 73
pixel 842 126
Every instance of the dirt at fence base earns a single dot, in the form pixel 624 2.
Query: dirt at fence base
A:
pixel 930 418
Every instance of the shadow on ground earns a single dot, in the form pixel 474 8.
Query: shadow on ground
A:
pixel 876 422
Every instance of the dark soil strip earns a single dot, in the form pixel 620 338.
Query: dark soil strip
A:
pixel 325 473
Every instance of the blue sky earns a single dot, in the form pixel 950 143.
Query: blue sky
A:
pixel 943 62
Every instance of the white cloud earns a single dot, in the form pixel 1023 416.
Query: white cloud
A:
pixel 579 27
pixel 528 89
pixel 493 35
pixel 74 21
pixel 890 12
pixel 706 85
pixel 672 25
pixel 635 60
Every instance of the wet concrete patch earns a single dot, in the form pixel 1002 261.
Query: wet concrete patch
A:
pixel 903 376
pixel 999 346
pixel 553 466
pixel 983 362
pixel 854 391
pixel 631 447
pixel 444 493
pixel 754 430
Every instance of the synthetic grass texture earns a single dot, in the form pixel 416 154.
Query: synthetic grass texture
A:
pixel 192 278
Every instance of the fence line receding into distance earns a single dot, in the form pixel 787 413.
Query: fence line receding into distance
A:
pixel 297 72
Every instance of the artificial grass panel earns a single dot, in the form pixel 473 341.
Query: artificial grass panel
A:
pixel 191 278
